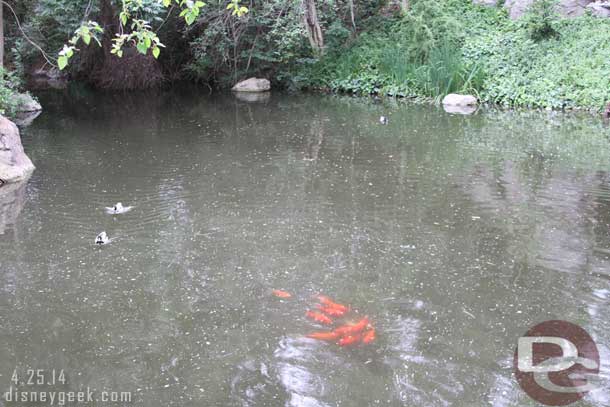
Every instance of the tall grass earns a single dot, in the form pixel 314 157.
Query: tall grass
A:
pixel 446 72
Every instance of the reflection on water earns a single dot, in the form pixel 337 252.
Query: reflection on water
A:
pixel 12 199
pixel 455 234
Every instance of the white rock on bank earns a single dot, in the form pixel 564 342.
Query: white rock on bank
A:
pixel 26 103
pixel 453 99
pixel 252 85
pixel 14 164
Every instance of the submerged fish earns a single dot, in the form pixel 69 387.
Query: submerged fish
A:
pixel 349 340
pixel 350 329
pixel 331 304
pixel 318 317
pixel 333 312
pixel 281 294
pixel 369 336
pixel 324 336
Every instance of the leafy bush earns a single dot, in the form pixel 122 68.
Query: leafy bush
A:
pixel 541 20
pixel 8 93
pixel 459 47
pixel 416 55
pixel 426 26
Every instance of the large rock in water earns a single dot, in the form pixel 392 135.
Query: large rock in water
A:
pixel 14 164
pixel 453 99
pixel 252 85
pixel 26 103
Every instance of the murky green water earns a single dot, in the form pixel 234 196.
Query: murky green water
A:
pixel 454 234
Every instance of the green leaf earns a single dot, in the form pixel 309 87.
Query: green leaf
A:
pixel 87 39
pixel 199 4
pixel 62 62
pixel 119 53
pixel 147 42
pixel 190 18
pixel 142 48
pixel 183 12
pixel 156 51
pixel 166 3
pixel 124 18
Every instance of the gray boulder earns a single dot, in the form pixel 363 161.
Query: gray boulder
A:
pixel 252 85
pixel 572 8
pixel 599 8
pixel 486 3
pixel 567 8
pixel 453 99
pixel 516 8
pixel 14 164
pixel 26 103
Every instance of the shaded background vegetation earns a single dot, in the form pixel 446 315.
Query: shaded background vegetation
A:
pixel 430 49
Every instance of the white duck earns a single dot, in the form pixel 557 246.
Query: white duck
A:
pixel 383 120
pixel 118 208
pixel 102 239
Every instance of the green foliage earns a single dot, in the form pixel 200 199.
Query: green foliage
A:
pixel 459 47
pixel 270 41
pixel 416 55
pixel 9 99
pixel 446 72
pixel 541 20
pixel 426 26
pixel 569 72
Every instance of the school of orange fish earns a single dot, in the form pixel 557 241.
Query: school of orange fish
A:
pixel 330 313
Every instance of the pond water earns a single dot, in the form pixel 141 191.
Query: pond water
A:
pixel 454 234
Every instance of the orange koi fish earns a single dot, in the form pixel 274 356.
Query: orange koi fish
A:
pixel 320 318
pixel 369 336
pixel 323 336
pixel 333 312
pixel 331 304
pixel 281 294
pixel 349 340
pixel 347 330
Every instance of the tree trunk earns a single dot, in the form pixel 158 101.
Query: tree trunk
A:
pixel 352 14
pixel 314 32
pixel 2 35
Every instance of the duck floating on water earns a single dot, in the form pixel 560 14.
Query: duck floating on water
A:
pixel 383 120
pixel 102 239
pixel 118 208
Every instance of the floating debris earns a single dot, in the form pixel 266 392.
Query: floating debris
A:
pixel 118 209
pixel 102 239
pixel 319 318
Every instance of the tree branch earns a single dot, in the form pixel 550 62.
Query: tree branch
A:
pixel 44 54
